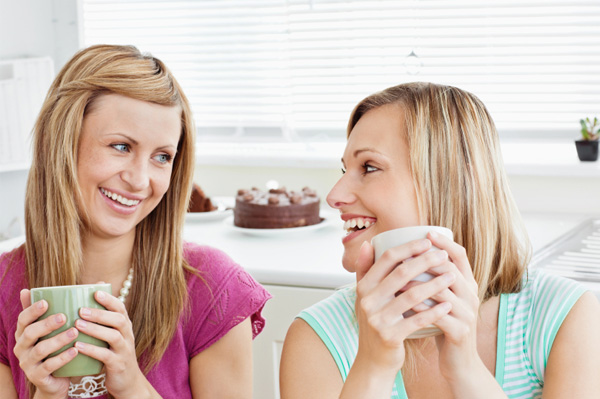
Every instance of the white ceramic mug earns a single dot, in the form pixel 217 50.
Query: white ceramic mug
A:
pixel 393 238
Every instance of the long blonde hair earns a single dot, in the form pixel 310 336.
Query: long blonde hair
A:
pixel 53 223
pixel 459 178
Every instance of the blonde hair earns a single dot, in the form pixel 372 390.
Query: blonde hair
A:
pixel 460 183
pixel 459 178
pixel 54 224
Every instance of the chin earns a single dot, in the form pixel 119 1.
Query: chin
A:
pixel 348 262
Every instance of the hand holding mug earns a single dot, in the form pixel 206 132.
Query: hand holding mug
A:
pixel 34 356
pixel 393 238
pixel 380 308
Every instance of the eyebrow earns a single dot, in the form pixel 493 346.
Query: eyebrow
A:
pixel 127 137
pixel 361 150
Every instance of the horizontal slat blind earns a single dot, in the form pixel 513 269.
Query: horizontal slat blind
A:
pixel 267 70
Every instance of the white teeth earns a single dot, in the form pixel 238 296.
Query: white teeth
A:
pixel 357 222
pixel 119 199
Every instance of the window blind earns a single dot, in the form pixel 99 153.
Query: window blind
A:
pixel 268 70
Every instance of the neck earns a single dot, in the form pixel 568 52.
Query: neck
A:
pixel 107 260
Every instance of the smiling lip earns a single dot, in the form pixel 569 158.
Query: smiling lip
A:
pixel 354 220
pixel 123 204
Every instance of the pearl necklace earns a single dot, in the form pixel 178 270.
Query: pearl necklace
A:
pixel 126 286
pixel 92 386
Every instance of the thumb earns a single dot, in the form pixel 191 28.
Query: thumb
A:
pixel 25 298
pixel 365 260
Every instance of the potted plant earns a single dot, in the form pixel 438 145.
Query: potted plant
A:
pixel 587 147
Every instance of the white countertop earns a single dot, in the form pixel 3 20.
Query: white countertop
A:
pixel 313 258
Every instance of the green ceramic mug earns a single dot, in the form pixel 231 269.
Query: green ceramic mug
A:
pixel 68 299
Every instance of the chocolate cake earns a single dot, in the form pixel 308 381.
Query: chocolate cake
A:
pixel 199 202
pixel 276 209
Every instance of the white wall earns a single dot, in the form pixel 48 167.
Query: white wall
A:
pixel 32 28
pixel 49 28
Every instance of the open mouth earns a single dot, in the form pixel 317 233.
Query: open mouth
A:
pixel 356 224
pixel 117 198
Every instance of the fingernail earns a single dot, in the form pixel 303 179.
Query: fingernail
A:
pixel 72 352
pixel 80 345
pixel 40 304
pixel 72 332
pixel 433 234
pixel 81 323
pixel 100 294
pixel 449 277
pixel 446 306
pixel 85 312
pixel 58 318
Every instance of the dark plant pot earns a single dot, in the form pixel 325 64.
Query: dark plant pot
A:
pixel 587 150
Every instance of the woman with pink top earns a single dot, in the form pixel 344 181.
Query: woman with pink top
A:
pixel 107 193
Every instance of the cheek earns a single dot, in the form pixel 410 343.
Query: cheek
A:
pixel 161 182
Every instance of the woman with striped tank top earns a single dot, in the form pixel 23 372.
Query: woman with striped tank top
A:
pixel 427 154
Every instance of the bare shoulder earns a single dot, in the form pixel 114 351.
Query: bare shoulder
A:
pixel 307 368
pixel 575 355
pixel 7 387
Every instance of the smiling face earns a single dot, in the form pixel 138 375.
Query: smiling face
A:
pixel 376 192
pixel 126 153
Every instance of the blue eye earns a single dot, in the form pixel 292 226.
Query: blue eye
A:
pixel 163 158
pixel 369 168
pixel 121 147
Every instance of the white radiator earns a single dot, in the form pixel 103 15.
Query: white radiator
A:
pixel 23 86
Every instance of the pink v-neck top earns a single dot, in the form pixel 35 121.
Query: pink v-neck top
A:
pixel 228 296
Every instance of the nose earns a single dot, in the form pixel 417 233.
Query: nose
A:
pixel 341 194
pixel 136 175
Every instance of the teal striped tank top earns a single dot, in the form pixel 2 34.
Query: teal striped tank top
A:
pixel 527 325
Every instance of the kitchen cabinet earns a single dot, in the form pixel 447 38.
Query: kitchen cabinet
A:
pixel 279 313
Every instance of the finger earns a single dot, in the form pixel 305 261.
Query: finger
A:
pixel 33 332
pixel 423 319
pixel 456 253
pixel 116 319
pixel 110 302
pixel 30 314
pixel 403 274
pixel 96 352
pixel 462 306
pixel 462 287
pixel 418 294
pixel 365 260
pixel 392 258
pixel 111 335
pixel 52 364
pixel 452 325
pixel 25 297
pixel 44 348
